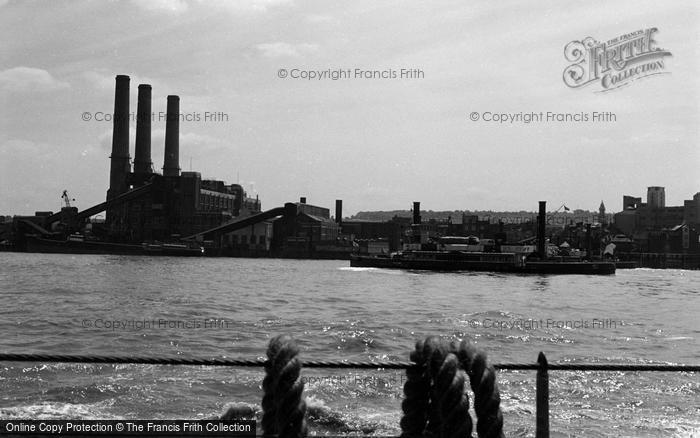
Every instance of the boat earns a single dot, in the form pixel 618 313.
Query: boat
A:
pixel 480 261
pixel 172 249
pixel 626 264
pixel 456 253
pixel 77 244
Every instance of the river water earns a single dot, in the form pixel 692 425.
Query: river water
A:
pixel 229 307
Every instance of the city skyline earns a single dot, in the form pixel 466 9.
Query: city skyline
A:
pixel 376 141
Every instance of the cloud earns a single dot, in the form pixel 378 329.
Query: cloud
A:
pixel 322 19
pixel 23 79
pixel 252 5
pixel 190 142
pixel 106 81
pixel 235 6
pixel 48 177
pixel 280 49
pixel 99 80
pixel 176 6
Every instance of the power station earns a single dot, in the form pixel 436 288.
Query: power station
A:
pixel 169 205
pixel 173 212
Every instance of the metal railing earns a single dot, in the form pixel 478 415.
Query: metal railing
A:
pixel 541 366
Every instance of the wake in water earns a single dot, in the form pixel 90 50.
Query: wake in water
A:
pixel 323 420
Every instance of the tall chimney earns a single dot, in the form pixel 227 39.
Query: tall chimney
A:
pixel 142 155
pixel 541 222
pixel 171 165
pixel 119 165
pixel 416 213
pixel 339 211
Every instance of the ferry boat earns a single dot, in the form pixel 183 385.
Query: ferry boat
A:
pixel 480 261
pixel 470 254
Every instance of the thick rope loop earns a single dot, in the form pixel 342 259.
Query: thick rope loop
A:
pixel 487 399
pixel 453 402
pixel 436 352
pixel 436 403
pixel 284 408
pixel 416 395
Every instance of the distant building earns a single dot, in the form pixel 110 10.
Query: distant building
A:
pixel 691 211
pixel 181 206
pixel 472 226
pixel 602 219
pixel 630 202
pixel 393 231
pixel 656 197
pixel 311 226
pixel 255 239
pixel 655 227
pixel 626 220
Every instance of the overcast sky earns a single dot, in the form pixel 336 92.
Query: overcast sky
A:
pixel 375 143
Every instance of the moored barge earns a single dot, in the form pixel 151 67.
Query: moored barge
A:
pixel 75 245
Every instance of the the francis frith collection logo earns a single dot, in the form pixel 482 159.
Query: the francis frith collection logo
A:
pixel 614 63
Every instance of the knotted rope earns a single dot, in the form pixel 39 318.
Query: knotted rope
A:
pixel 452 401
pixel 482 379
pixel 284 408
pixel 436 403
pixel 416 404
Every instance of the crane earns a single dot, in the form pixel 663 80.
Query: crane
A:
pixel 562 206
pixel 66 198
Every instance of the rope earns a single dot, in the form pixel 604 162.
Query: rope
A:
pixel 453 402
pixel 415 402
pixel 269 405
pixel 284 408
pixel 435 352
pixel 487 400
pixel 330 364
pixel 436 404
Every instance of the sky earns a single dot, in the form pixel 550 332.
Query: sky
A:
pixel 377 143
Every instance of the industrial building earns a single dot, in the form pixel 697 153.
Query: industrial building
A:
pixel 655 227
pixel 176 203
pixel 637 216
pixel 145 208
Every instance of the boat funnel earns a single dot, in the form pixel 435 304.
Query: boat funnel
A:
pixel 339 211
pixel 541 222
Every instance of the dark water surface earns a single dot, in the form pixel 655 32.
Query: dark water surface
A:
pixel 224 307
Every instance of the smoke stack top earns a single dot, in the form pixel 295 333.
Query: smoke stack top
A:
pixel 416 213
pixel 339 211
pixel 120 166
pixel 171 164
pixel 142 154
